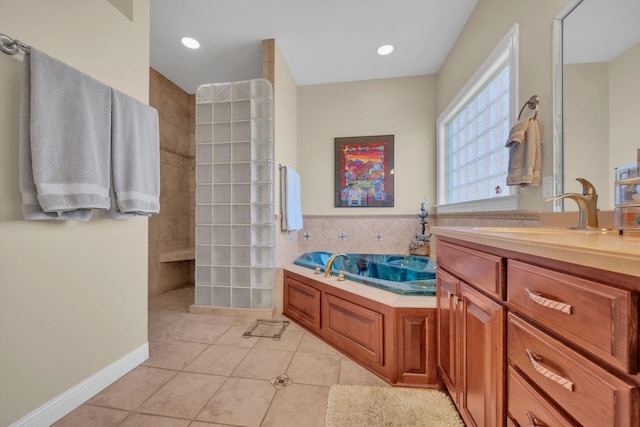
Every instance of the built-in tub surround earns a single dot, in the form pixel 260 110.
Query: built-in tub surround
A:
pixel 235 229
pixel 390 334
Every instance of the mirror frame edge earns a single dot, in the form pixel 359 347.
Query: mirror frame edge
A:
pixel 557 89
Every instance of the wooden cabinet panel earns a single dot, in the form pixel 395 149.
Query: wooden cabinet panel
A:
pixel 587 392
pixel 397 343
pixel 483 359
pixel 484 271
pixel 447 335
pixel 416 346
pixel 302 303
pixel 528 408
pixel 599 318
pixel 356 329
pixel 571 332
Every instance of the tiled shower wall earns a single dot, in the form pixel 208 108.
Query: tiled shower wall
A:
pixel 235 230
pixel 173 228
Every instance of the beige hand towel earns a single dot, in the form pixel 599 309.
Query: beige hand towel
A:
pixel 525 156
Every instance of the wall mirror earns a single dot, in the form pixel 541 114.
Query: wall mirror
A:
pixel 596 95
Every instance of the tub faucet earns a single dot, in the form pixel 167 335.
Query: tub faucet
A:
pixel 327 269
pixel 587 205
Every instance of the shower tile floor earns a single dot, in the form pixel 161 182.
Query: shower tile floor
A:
pixel 201 372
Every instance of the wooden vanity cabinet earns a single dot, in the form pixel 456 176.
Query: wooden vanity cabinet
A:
pixel 447 326
pixel 575 339
pixel 471 334
pixel 563 343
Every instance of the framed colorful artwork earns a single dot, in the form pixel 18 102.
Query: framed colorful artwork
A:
pixel 364 171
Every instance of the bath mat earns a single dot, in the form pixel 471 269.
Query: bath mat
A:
pixel 389 407
pixel 266 328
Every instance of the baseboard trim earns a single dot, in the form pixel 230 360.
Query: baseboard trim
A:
pixel 66 402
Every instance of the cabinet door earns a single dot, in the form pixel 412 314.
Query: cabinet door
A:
pixel 483 360
pixel 447 330
pixel 302 303
pixel 357 330
pixel 416 346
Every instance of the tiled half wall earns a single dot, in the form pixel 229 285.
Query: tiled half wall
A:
pixel 392 233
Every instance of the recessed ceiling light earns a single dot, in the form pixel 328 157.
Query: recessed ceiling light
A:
pixel 385 49
pixel 190 43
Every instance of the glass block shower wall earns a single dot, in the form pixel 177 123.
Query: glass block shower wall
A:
pixel 235 226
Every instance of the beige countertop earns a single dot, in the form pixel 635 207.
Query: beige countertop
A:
pixel 369 292
pixel 606 250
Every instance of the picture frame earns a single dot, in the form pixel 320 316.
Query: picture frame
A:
pixel 364 171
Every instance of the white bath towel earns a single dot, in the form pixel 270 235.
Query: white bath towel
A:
pixel 290 200
pixel 525 153
pixel 64 140
pixel 135 158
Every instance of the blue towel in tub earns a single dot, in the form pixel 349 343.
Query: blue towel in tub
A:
pixel 64 141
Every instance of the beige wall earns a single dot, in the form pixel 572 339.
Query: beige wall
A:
pixel 624 103
pixel 601 101
pixel 73 296
pixel 487 25
pixel 586 130
pixel 404 107
pixel 286 140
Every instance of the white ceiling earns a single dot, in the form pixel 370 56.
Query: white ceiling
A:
pixel 322 41
pixel 600 30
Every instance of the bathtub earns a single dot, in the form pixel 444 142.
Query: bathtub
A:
pixel 401 274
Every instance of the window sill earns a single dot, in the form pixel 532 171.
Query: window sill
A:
pixel 504 203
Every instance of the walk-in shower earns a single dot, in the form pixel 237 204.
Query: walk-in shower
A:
pixel 235 226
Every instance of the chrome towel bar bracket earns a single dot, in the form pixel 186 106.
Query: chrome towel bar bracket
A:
pixel 11 46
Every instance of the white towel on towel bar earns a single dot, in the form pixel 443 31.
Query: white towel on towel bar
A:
pixel 290 199
pixel 64 140
pixel 135 158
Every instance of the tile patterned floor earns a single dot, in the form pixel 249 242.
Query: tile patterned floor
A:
pixel 201 372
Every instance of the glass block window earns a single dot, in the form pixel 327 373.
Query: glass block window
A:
pixel 472 132
pixel 477 160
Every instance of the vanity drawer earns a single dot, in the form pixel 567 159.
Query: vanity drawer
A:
pixel 601 319
pixel 588 393
pixel 528 408
pixel 483 271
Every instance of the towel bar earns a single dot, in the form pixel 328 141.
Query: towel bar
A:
pixel 11 46
pixel 532 103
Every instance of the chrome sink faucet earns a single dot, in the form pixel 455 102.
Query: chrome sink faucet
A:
pixel 587 205
pixel 327 269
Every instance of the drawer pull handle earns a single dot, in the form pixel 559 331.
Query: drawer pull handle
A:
pixel 533 359
pixel 533 421
pixel 549 303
